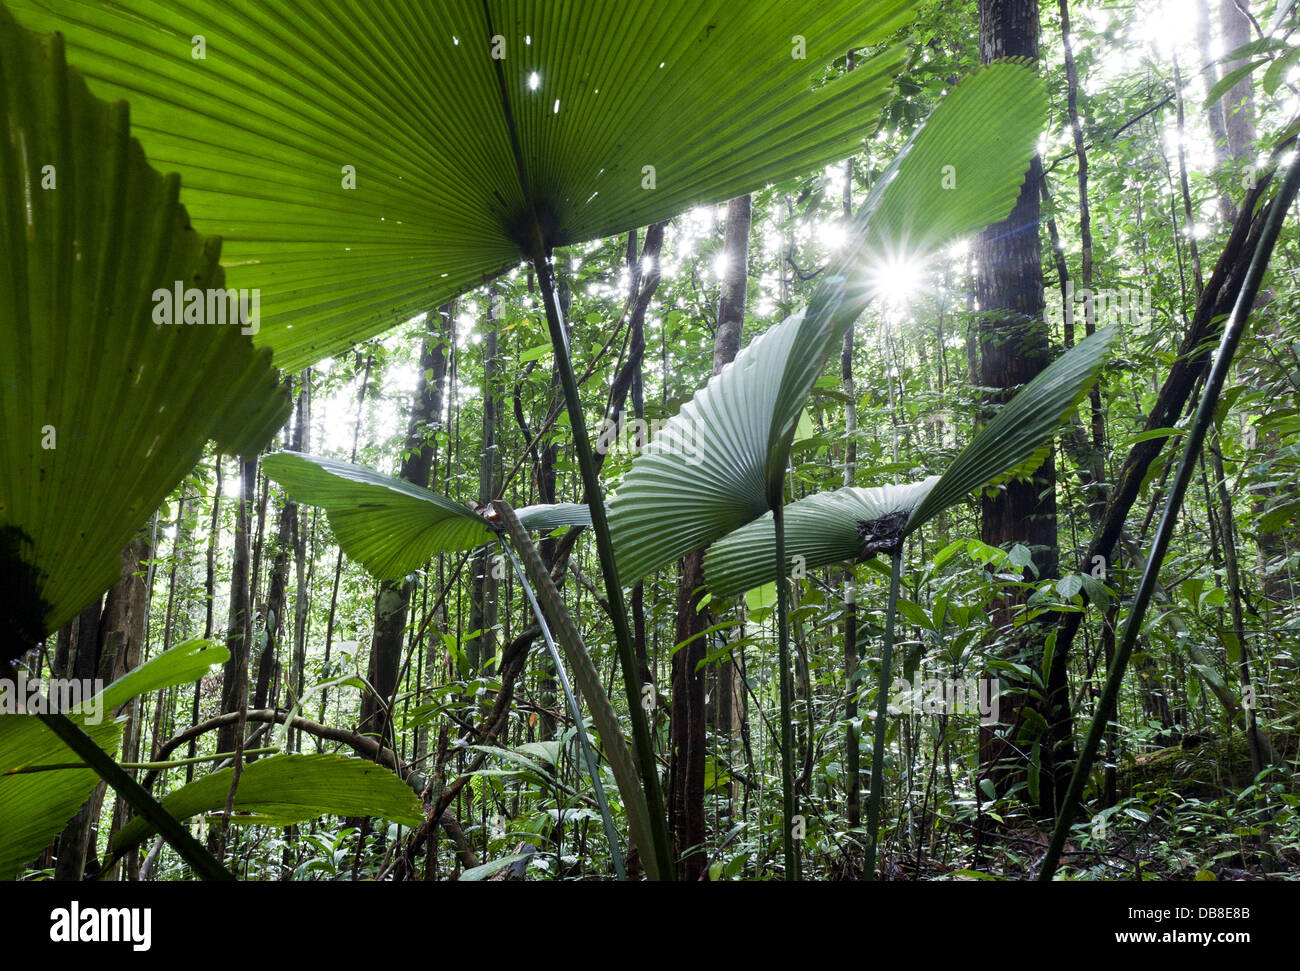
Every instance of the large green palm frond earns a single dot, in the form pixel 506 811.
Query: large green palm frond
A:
pixel 720 462
pixel 834 527
pixel 392 527
pixel 102 411
pixel 286 789
pixel 710 93
pixel 389 526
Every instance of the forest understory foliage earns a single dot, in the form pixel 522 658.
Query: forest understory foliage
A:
pixel 849 441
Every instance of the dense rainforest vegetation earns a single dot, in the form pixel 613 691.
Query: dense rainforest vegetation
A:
pixel 852 440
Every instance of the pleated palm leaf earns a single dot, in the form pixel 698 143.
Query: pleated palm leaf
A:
pixel 102 410
pixel 720 462
pixel 392 527
pixel 846 525
pixel 459 122
pixel 849 524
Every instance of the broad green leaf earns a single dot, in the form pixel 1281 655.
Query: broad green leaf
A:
pixel 760 598
pixel 287 789
pixel 35 807
pixel 1279 69
pixel 914 613
pixel 485 870
pixel 182 664
pixel 1229 80
pixel 703 475
pixel 389 526
pixel 720 461
pixel 1069 585
pixel 102 411
pixel 1016 439
pixel 410 96
pixel 819 530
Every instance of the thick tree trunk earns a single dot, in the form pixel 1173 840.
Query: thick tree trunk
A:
pixel 1014 347
pixel 106 646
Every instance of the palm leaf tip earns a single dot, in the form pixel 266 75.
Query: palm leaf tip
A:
pixel 1014 442
pixel 389 526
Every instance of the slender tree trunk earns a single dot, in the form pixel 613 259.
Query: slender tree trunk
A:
pixel 338 561
pixel 393 599
pixel 302 570
pixel 433 365
pixel 485 573
pixel 688 735
pixel 209 596
pixel 1096 493
pixel 234 684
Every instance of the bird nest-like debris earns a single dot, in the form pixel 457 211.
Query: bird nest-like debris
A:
pixel 883 535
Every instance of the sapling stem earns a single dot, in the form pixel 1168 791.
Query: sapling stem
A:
pixel 787 722
pixel 579 728
pixel 882 716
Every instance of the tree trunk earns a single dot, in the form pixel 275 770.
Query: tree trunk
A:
pixel 485 572
pixel 234 684
pixel 105 646
pixel 393 599
pixel 688 733
pixel 1014 347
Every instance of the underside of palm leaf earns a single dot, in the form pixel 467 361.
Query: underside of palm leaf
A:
pixel 554 515
pixel 842 526
pixel 720 462
pixel 102 410
pixel 847 525
pixel 368 159
pixel 389 526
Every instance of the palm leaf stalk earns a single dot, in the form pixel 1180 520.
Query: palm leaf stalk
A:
pixel 191 850
pixel 882 713
pixel 538 252
pixel 787 721
pixel 645 756
pixel 1233 329
pixel 639 816
pixel 580 730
